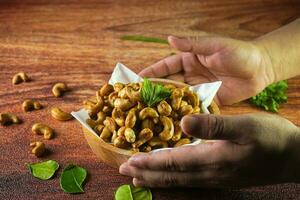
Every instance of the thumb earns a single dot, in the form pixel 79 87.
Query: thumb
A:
pixel 202 45
pixel 218 127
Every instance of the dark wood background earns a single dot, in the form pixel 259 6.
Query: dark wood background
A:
pixel 77 42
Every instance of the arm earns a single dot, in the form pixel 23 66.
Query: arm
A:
pixel 282 49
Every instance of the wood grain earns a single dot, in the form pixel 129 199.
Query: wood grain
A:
pixel 77 42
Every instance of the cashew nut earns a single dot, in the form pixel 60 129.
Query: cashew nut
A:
pixel 114 136
pixel 107 109
pixel 197 110
pixel 106 89
pixel 148 123
pixel 129 135
pixel 19 78
pixel 164 108
pixel 148 113
pixel 186 110
pixel 118 86
pixel 145 148
pixel 8 119
pixel 156 143
pixel 170 86
pixel 122 93
pixel 123 104
pixel 177 131
pixel 112 97
pixel 144 135
pixel 42 129
pixel 29 105
pixel 133 94
pixel 110 124
pixel 93 107
pixel 121 131
pixel 176 98
pixel 182 141
pixel 58 89
pixel 38 148
pixel 119 116
pixel 168 130
pixel 121 142
pixel 106 134
pixel 131 118
pixel 191 97
pixel 60 115
pixel 98 129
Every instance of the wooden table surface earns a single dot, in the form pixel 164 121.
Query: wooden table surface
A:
pixel 77 42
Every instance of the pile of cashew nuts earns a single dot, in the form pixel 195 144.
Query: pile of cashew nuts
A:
pixel 120 117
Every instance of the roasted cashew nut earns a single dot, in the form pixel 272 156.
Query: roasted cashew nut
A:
pixel 8 119
pixel 38 148
pixel 106 89
pixel 123 104
pixel 177 131
pixel 42 129
pixel 145 148
pixel 110 124
pixel 98 129
pixel 176 98
pixel 19 78
pixel 93 107
pixel 119 116
pixel 131 118
pixel 133 95
pixel 156 143
pixel 164 108
pixel 29 105
pixel 148 123
pixel 144 135
pixel 122 94
pixel 186 110
pixel 191 97
pixel 168 130
pixel 60 115
pixel 112 97
pixel 106 134
pixel 129 135
pixel 148 113
pixel 118 86
pixel 182 141
pixel 121 142
pixel 59 89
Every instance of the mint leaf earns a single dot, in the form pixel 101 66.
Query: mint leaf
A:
pixel 271 97
pixel 129 192
pixel 153 93
pixel 72 178
pixel 43 170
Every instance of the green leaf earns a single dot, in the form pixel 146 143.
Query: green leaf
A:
pixel 129 192
pixel 72 178
pixel 43 170
pixel 141 38
pixel 153 93
pixel 271 97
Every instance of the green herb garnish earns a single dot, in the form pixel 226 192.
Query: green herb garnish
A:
pixel 72 178
pixel 153 93
pixel 141 38
pixel 271 97
pixel 43 170
pixel 129 192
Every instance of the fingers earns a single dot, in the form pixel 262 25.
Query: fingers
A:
pixel 167 66
pixel 176 159
pixel 235 128
pixel 205 45
pixel 149 178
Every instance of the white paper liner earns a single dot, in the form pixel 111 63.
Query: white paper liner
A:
pixel 122 74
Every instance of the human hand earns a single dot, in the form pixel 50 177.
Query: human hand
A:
pixel 244 67
pixel 252 149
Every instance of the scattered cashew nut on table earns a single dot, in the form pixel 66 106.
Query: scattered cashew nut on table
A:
pixel 42 129
pixel 20 78
pixel 59 89
pixel 29 105
pixel 60 115
pixel 38 148
pixel 8 119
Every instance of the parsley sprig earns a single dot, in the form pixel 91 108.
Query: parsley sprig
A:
pixel 271 97
pixel 153 93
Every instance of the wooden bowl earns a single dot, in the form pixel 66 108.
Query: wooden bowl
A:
pixel 114 156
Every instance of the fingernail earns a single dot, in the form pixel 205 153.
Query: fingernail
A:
pixel 138 183
pixel 124 169
pixel 190 124
pixel 136 159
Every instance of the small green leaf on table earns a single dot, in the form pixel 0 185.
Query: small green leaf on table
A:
pixel 129 192
pixel 72 178
pixel 43 170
